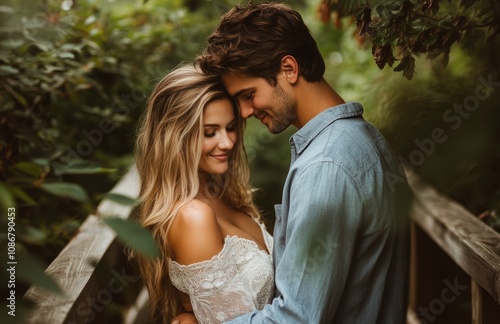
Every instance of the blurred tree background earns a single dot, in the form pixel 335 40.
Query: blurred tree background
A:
pixel 75 75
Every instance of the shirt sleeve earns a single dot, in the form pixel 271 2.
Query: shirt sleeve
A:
pixel 324 219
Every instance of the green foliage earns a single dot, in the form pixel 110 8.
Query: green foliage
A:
pixel 400 30
pixel 121 199
pixel 65 190
pixel 133 235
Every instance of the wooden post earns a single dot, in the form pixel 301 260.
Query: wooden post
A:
pixel 477 302
pixel 485 310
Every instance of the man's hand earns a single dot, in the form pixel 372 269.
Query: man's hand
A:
pixel 185 318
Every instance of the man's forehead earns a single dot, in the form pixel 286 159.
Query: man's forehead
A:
pixel 236 83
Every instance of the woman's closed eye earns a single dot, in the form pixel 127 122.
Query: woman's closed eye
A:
pixel 228 129
pixel 231 127
pixel 212 131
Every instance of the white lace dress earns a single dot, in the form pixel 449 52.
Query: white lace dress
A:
pixel 238 280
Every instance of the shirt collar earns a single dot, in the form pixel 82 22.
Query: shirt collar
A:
pixel 309 131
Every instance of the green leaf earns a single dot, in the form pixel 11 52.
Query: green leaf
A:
pixel 431 40
pixel 67 55
pixel 382 12
pixel 407 65
pixel 33 235
pixel 8 70
pixel 69 47
pixel 91 44
pixel 83 170
pixel 43 46
pixel 121 199
pixel 42 161
pixel 79 166
pixel 5 9
pixel 11 43
pixel 132 234
pixel 6 198
pixel 66 190
pixel 31 271
pixel 29 168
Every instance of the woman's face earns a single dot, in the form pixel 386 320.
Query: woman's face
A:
pixel 219 126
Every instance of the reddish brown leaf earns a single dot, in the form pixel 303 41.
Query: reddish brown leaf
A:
pixel 383 55
pixel 363 20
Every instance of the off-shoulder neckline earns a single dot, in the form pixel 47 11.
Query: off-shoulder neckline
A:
pixel 230 238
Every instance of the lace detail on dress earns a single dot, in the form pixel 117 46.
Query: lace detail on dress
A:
pixel 238 280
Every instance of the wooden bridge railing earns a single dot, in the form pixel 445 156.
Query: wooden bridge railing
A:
pixel 99 284
pixel 455 267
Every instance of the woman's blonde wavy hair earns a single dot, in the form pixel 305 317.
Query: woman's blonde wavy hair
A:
pixel 168 151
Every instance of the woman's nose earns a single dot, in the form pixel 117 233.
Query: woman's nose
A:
pixel 226 143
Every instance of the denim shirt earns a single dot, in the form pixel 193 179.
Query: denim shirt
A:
pixel 341 235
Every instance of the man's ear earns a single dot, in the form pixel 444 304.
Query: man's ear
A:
pixel 290 68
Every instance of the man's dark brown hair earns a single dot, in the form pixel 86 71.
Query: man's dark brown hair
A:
pixel 251 40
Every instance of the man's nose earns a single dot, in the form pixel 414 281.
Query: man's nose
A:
pixel 246 110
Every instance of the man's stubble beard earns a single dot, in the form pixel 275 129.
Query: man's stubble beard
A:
pixel 286 114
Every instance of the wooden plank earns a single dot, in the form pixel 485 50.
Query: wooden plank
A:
pixel 484 309
pixel 477 302
pixel 473 245
pixel 74 267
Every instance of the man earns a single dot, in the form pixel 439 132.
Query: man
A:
pixel 340 238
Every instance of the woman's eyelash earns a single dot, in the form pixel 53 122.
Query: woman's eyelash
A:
pixel 229 128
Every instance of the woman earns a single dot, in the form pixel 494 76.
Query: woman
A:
pixel 197 203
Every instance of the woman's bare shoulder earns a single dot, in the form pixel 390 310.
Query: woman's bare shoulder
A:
pixel 196 211
pixel 195 234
